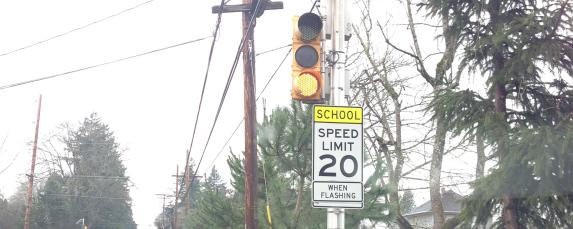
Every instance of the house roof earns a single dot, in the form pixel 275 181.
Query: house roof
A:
pixel 451 201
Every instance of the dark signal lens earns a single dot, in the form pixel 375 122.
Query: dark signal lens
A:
pixel 306 56
pixel 309 26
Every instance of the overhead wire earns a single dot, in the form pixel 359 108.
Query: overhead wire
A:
pixel 243 119
pixel 313 5
pixel 76 29
pixel 217 27
pixel 89 197
pixel 229 79
pixel 272 50
pixel 11 162
pixel 268 210
pixel 13 159
pixel 100 64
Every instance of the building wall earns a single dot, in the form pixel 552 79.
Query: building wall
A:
pixel 425 220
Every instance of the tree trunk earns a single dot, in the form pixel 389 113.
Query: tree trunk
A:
pixel 395 201
pixel 435 174
pixel 509 211
pixel 481 159
pixel 437 83
pixel 298 206
pixel 403 222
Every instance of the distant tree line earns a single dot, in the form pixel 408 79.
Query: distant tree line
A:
pixel 84 185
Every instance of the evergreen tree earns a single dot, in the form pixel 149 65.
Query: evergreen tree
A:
pixel 525 49
pixel 407 203
pixel 98 182
pixel 11 212
pixel 55 207
pixel 215 206
pixel 285 146
pixel 3 212
pixel 194 188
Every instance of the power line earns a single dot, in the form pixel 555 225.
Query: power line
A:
pixel 441 185
pixel 272 50
pixel 314 5
pixel 217 27
pixel 242 120
pixel 76 29
pixel 88 197
pixel 98 177
pixel 11 162
pixel 229 79
pixel 101 64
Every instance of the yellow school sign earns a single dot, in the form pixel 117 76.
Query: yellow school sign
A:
pixel 337 157
pixel 338 114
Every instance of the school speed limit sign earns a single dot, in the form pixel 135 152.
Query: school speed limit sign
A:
pixel 337 157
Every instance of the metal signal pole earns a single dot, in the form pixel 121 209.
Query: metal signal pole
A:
pixel 336 16
pixel 33 166
pixel 251 9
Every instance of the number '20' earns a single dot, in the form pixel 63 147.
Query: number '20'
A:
pixel 332 163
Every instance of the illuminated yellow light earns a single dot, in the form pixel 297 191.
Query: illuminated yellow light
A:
pixel 307 84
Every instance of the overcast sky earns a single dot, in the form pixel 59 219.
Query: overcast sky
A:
pixel 150 102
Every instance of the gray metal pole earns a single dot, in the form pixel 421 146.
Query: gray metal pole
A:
pixel 336 17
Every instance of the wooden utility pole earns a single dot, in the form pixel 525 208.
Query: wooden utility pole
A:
pixel 250 105
pixel 163 209
pixel 176 198
pixel 250 9
pixel 186 181
pixel 32 168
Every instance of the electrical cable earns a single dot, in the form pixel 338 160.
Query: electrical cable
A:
pixel 272 50
pixel 13 159
pixel 242 120
pixel 313 5
pixel 229 79
pixel 11 163
pixel 89 197
pixel 217 27
pixel 100 64
pixel 76 29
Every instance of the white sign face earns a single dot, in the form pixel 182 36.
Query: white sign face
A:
pixel 337 157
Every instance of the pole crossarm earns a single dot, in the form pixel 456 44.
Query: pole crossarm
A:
pixel 246 8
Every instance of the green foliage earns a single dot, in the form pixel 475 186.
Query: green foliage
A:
pixel 96 189
pixel 215 206
pixel 466 111
pixel 284 170
pixel 407 202
pixel 285 159
pixel 524 48
pixel 96 155
pixel 540 170
pixel 56 210
pixel 12 209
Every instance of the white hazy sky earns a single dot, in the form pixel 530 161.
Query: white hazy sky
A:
pixel 150 102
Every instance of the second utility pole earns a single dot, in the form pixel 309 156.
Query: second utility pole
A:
pixel 27 214
pixel 251 9
pixel 251 220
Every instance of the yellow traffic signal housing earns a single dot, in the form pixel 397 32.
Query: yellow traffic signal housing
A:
pixel 307 81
